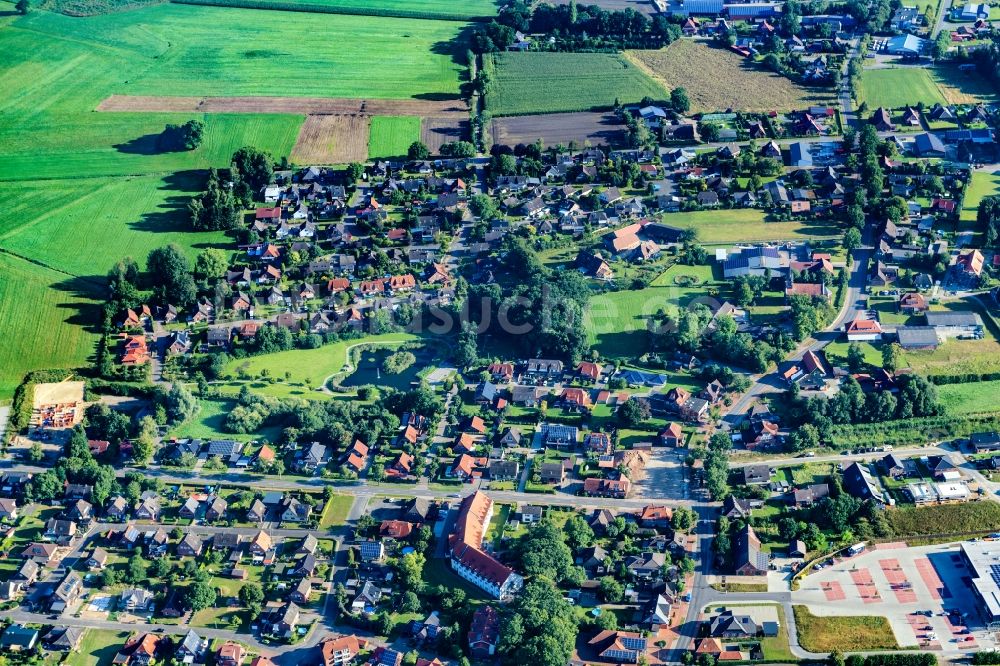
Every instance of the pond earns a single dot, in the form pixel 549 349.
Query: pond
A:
pixel 369 370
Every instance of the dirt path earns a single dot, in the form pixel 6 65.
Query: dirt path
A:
pixel 297 105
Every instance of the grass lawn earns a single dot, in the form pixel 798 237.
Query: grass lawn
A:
pixel 312 366
pixel 717 79
pixel 525 83
pixel 495 531
pixel 617 320
pixel 218 618
pixel 336 510
pixel 836 352
pixel 844 633
pixel 897 87
pixel 49 320
pixel 391 136
pixel 209 423
pixel 810 473
pixel 983 184
pixel 437 572
pixel 747 224
pixel 97 648
pixel 971 398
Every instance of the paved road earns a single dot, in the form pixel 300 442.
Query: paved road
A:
pixel 365 489
pixel 942 15
pixel 853 305
pixel 791 462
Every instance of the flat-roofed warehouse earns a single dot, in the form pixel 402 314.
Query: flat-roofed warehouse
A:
pixel 983 561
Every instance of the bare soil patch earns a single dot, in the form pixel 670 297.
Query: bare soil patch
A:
pixel 297 105
pixel 555 128
pixel 332 139
pixel 438 130
pixel 717 79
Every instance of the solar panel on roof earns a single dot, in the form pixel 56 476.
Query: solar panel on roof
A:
pixel 634 643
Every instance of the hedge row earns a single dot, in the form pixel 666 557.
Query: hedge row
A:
pixel 913 431
pixel 326 9
pixel 964 378
pixel 899 659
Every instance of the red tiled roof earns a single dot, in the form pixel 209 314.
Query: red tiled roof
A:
pixel 395 529
pixel 864 326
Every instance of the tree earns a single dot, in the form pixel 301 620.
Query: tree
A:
pixel 144 444
pixel 217 207
pixel 199 595
pixel 253 167
pixel 679 100
pixel 855 358
pixel 180 403
pixel 23 7
pixel 211 263
pixel 458 149
pixel 634 413
pixel 578 533
pixel 852 239
pixel 410 602
pixel 709 132
pixel 683 519
pixel 35 453
pixel 411 570
pixel 539 627
pixel 170 272
pixel 543 552
pixel 252 598
pixel 110 577
pixel 612 591
pixel 484 207
pixel 418 151
pixel 181 137
pixel 891 354
pixel 354 172
pixel 137 569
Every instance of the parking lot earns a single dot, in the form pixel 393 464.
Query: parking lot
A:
pixel 921 590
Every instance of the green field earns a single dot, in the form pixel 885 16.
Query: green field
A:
pixel 971 398
pixel 312 366
pixel 747 224
pixel 968 518
pixel 898 87
pixel 525 83
pixel 983 184
pixel 101 219
pixel 428 9
pixel 48 320
pixel 391 136
pixel 182 50
pixel 53 132
pixel 336 510
pixel 617 320
pixel 845 633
